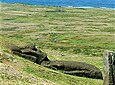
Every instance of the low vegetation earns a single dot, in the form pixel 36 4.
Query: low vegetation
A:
pixel 70 34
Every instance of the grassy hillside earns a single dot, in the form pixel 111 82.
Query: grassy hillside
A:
pixel 79 30
pixel 75 34
pixel 15 70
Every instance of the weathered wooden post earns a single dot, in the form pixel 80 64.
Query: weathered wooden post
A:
pixel 109 68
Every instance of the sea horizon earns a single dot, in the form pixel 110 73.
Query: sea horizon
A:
pixel 65 3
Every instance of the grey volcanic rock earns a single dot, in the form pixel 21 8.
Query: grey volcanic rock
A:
pixel 34 54
pixel 75 68
pixel 30 52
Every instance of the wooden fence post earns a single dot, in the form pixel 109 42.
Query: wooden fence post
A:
pixel 109 68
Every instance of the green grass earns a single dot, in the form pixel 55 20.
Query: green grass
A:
pixel 74 34
pixel 21 72
pixel 90 30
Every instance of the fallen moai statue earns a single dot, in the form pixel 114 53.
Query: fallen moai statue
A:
pixel 32 53
pixel 75 68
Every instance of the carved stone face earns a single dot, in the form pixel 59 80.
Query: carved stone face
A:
pixel 31 52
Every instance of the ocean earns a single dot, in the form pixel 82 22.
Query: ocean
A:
pixel 67 3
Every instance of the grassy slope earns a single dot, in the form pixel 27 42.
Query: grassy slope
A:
pixel 75 34
pixel 83 31
pixel 16 70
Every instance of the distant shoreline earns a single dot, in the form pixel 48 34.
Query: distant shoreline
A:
pixel 60 6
